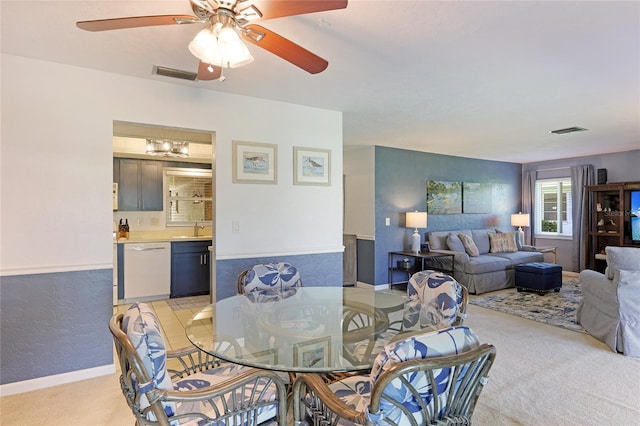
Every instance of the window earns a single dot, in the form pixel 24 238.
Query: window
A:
pixel 189 196
pixel 553 207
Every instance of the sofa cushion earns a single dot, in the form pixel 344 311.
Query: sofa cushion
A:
pixel 454 243
pixel 469 246
pixel 518 244
pixel 622 258
pixel 503 242
pixel 485 263
pixel 518 257
pixel 481 238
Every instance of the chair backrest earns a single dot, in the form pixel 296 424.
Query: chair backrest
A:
pixel 622 258
pixel 429 377
pixel 434 299
pixel 141 352
pixel 269 276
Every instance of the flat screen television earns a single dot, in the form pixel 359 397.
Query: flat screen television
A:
pixel 634 213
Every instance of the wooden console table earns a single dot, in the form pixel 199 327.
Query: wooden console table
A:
pixel 549 249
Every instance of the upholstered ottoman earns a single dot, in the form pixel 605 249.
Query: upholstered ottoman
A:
pixel 539 277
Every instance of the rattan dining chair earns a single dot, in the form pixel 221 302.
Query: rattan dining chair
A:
pixel 425 379
pixel 434 299
pixel 268 276
pixel 188 386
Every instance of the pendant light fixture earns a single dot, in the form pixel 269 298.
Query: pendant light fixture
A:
pixel 167 148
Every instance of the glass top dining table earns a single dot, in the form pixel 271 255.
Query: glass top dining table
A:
pixel 304 329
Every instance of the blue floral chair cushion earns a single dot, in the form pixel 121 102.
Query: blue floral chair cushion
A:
pixel 355 391
pixel 434 299
pixel 141 326
pixel 268 276
pixel 215 376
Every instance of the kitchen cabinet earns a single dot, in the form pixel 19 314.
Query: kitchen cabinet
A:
pixel 139 184
pixel 190 269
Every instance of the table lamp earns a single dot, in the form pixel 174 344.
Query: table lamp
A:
pixel 416 220
pixel 520 220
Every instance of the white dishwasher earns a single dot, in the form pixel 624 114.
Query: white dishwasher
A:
pixel 147 271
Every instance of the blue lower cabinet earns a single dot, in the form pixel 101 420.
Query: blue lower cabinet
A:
pixel 190 268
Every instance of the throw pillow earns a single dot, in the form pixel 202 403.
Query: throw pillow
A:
pixel 503 243
pixel 518 244
pixel 469 245
pixel 454 243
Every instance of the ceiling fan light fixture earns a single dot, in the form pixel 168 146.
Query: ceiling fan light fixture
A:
pixel 220 46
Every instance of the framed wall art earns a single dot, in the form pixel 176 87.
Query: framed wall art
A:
pixel 311 166
pixel 312 353
pixel 476 197
pixel 444 197
pixel 255 162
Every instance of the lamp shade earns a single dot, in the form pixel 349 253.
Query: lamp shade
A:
pixel 416 220
pixel 220 47
pixel 520 219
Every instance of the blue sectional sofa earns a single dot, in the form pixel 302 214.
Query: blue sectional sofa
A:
pixel 493 268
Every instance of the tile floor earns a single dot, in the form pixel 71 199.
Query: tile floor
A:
pixel 96 401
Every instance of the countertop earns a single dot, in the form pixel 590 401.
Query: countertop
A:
pixel 174 236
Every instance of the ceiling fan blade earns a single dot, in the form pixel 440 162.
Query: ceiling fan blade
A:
pixel 135 22
pixel 205 74
pixel 277 9
pixel 284 48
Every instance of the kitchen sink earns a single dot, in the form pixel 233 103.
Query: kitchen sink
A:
pixel 180 237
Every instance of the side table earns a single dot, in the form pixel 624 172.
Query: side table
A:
pixel 549 249
pixel 418 262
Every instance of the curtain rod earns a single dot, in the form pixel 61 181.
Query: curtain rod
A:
pixel 553 168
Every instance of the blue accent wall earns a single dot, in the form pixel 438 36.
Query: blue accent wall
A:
pixel 316 270
pixel 400 185
pixel 54 323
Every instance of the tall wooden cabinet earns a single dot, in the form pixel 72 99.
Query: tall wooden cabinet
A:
pixel 606 220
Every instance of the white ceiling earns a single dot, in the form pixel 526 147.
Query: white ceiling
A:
pixel 467 78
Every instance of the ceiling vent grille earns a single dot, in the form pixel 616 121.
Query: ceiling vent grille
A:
pixel 568 130
pixel 174 73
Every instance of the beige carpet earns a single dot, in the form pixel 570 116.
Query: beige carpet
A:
pixel 545 375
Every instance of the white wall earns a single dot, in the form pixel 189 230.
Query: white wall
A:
pixel 359 191
pixel 56 165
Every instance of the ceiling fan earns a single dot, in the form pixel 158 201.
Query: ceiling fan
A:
pixel 218 44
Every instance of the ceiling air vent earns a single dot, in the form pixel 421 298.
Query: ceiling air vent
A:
pixel 568 130
pixel 171 72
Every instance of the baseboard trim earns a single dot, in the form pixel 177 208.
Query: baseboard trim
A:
pixel 372 286
pixel 57 379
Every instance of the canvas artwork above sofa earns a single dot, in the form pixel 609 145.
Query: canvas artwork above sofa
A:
pixel 484 259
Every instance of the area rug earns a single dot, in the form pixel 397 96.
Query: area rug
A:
pixel 557 309
pixel 191 302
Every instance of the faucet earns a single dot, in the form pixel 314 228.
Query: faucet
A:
pixel 196 228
